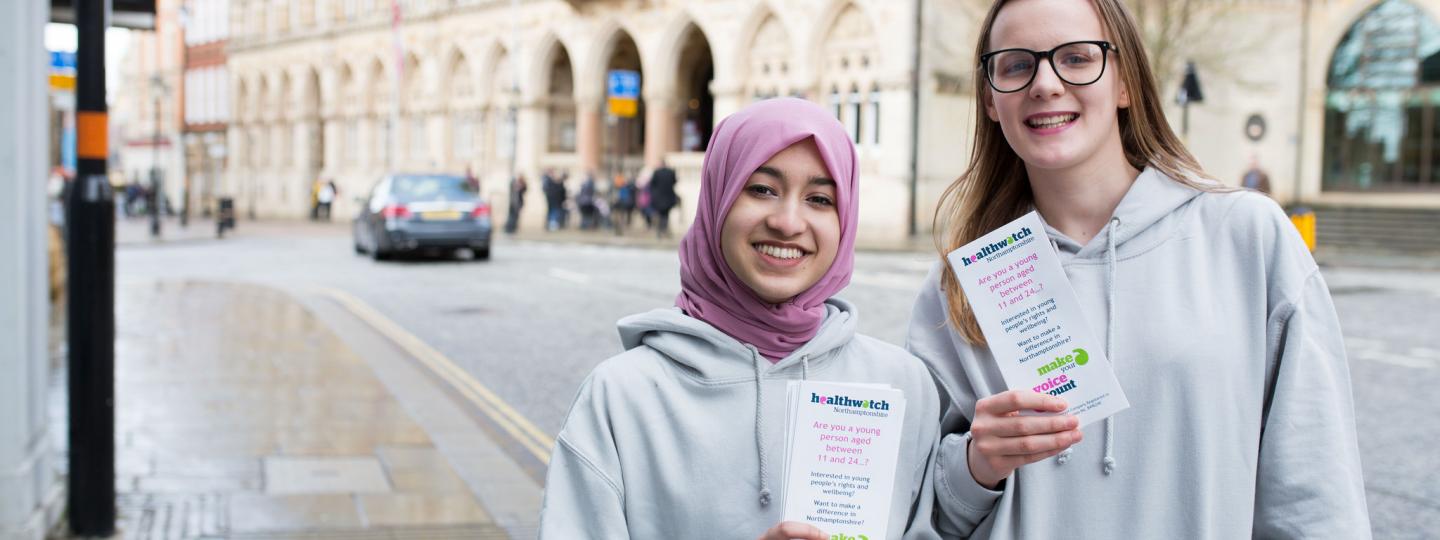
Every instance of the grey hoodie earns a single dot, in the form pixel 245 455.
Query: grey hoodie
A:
pixel 681 435
pixel 1223 336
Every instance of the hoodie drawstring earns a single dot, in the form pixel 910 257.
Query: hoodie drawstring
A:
pixel 760 428
pixel 760 418
pixel 1111 308
pixel 1108 463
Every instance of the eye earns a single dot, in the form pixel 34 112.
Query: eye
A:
pixel 760 189
pixel 1018 66
pixel 1077 59
pixel 820 200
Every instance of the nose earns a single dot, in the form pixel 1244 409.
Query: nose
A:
pixel 1047 83
pixel 785 218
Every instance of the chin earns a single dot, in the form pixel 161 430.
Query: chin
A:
pixel 1052 158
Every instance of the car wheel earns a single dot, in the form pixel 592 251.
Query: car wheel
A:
pixel 358 249
pixel 377 254
pixel 481 254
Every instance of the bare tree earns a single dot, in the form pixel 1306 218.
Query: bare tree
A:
pixel 1201 31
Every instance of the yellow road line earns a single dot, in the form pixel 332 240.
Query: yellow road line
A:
pixel 520 428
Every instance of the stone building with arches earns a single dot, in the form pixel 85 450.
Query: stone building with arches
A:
pixel 334 89
pixel 330 88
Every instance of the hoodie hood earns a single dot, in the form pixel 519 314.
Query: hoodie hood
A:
pixel 1141 215
pixel 712 355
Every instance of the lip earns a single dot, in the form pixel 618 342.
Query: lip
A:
pixel 777 262
pixel 1050 130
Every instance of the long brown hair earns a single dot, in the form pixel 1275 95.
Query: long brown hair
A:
pixel 995 188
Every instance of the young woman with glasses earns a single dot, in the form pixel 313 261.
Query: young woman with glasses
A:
pixel 1214 315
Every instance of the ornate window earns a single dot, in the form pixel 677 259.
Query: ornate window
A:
pixel 1381 130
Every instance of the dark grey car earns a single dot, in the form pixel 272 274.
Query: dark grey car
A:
pixel 423 212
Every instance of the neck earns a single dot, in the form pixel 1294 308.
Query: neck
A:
pixel 1078 201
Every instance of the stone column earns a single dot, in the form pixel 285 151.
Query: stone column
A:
pixel 30 496
pixel 729 98
pixel 662 126
pixel 587 132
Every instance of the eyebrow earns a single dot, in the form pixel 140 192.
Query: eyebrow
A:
pixel 814 180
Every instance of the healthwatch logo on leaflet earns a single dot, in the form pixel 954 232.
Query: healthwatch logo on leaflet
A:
pixel 845 401
pixel 843 536
pixel 997 246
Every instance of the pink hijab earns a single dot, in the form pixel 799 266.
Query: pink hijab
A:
pixel 709 291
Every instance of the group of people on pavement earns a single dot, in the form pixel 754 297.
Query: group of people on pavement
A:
pixel 602 204
pixel 1216 321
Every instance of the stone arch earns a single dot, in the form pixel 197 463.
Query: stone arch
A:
pixel 694 70
pixel 312 122
pixel 377 88
pixel 557 82
pixel 379 92
pixel 766 55
pixel 623 143
pixel 310 97
pixel 462 103
pixel 242 106
pixel 499 74
pixel 847 59
pixel 412 84
pixel 501 97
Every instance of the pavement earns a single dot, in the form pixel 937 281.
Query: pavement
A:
pixel 247 411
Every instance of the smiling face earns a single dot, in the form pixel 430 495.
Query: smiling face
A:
pixel 783 232
pixel 1052 125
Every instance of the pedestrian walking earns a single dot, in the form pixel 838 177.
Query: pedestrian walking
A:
pixel 554 200
pixel 585 201
pixel 624 205
pixel 516 203
pixel 663 198
pixel 660 442
pixel 315 199
pixel 642 198
pixel 324 198
pixel 1217 322
pixel 1255 178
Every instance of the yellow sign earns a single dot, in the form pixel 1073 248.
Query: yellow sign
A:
pixel 623 107
pixel 62 82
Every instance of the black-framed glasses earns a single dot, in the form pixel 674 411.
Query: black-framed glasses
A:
pixel 1080 63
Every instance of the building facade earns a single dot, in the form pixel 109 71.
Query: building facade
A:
pixel 147 106
pixel 350 89
pixel 206 101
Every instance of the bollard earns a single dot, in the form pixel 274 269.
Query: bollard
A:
pixel 1304 220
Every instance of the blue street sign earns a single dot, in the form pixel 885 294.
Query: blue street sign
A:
pixel 62 61
pixel 624 84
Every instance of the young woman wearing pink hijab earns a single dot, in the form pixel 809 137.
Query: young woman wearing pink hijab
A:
pixel 681 435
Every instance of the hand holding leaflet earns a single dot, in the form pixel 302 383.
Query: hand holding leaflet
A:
pixel 1032 320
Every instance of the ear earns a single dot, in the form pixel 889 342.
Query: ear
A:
pixel 989 99
pixel 1123 101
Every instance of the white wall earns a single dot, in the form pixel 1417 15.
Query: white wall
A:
pixel 28 487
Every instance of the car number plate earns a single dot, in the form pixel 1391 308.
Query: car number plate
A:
pixel 441 216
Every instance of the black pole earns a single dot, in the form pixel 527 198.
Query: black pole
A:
pixel 156 196
pixel 90 232
pixel 915 121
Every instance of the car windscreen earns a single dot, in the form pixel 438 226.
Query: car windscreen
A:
pixel 431 188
